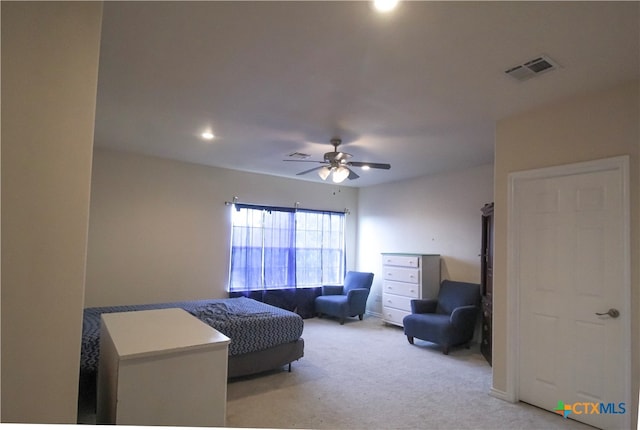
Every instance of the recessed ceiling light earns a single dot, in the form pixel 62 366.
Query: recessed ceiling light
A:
pixel 365 167
pixel 207 135
pixel 385 5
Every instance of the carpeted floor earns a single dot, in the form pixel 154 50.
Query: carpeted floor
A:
pixel 365 375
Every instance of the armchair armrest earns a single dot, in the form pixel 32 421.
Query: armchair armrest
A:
pixel 332 290
pixel 355 295
pixel 423 306
pixel 464 315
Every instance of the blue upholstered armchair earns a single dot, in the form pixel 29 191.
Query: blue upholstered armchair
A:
pixel 346 300
pixel 448 321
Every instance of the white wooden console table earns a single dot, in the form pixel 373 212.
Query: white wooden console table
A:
pixel 161 367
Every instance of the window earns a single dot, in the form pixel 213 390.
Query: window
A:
pixel 275 248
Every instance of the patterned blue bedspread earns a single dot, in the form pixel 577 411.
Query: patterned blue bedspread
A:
pixel 251 325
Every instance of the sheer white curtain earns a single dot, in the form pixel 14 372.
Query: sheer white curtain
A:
pixel 277 248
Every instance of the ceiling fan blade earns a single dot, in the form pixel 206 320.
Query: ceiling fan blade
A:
pixel 310 170
pixel 371 165
pixel 353 175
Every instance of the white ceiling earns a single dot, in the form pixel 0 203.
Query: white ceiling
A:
pixel 420 88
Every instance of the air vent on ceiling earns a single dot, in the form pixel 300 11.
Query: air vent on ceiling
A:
pixel 529 69
pixel 299 155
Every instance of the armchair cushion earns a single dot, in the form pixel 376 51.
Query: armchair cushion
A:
pixel 348 300
pixel 450 320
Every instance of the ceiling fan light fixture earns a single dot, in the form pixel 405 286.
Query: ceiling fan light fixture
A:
pixel 324 172
pixel 340 174
pixel 335 165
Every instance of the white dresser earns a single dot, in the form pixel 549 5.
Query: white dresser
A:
pixel 407 277
pixel 161 367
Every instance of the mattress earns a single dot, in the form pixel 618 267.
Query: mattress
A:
pixel 251 325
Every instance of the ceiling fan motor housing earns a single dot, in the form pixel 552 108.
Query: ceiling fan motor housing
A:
pixel 335 158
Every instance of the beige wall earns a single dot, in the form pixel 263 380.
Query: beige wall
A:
pixel 159 230
pixel 437 214
pixel 49 81
pixel 593 126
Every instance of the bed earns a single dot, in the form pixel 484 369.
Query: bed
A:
pixel 263 337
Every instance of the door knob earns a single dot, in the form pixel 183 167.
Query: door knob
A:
pixel 613 313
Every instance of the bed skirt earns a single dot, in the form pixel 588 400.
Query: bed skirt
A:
pixel 268 359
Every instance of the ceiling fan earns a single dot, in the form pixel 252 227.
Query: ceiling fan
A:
pixel 336 163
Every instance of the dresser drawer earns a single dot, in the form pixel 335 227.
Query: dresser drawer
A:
pixel 401 260
pixel 402 275
pixel 401 289
pixel 394 316
pixel 397 302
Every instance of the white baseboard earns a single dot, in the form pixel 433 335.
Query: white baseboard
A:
pixel 502 395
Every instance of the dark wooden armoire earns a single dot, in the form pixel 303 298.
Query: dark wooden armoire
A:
pixel 486 279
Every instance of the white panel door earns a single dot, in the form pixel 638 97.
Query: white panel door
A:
pixel 570 256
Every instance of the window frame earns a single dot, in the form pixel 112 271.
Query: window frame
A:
pixel 297 264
